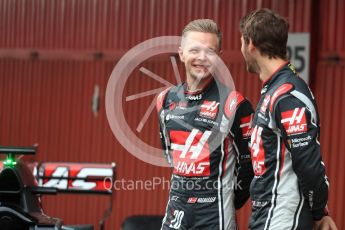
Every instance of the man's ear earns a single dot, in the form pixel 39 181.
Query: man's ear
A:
pixel 251 46
pixel 220 52
pixel 180 53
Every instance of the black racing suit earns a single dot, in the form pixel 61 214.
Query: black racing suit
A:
pixel 205 139
pixel 290 188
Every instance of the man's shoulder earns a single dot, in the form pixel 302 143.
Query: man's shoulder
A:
pixel 164 94
pixel 233 102
pixel 292 87
pixel 161 98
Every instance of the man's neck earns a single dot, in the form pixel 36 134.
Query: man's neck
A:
pixel 195 85
pixel 269 66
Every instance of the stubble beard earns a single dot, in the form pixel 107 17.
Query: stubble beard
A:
pixel 199 78
pixel 252 67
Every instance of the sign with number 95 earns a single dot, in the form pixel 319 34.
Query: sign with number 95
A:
pixel 298 52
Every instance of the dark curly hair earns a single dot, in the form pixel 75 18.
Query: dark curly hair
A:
pixel 268 32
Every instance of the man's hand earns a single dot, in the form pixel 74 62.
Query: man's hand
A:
pixel 326 223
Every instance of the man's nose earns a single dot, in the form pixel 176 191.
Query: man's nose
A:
pixel 202 55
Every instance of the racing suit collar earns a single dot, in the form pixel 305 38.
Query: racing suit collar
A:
pixel 274 75
pixel 201 91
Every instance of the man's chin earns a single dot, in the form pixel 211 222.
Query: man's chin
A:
pixel 251 69
pixel 202 76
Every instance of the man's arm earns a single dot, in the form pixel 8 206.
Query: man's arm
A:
pixel 162 131
pixel 240 132
pixel 300 131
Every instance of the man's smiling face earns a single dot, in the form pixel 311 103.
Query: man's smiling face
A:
pixel 199 52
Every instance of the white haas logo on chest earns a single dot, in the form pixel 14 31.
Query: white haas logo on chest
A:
pixel 191 152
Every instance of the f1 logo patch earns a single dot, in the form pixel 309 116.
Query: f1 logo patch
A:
pixel 294 121
pixel 192 200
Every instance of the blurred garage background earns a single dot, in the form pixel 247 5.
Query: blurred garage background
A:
pixel 56 57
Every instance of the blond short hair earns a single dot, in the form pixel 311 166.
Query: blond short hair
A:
pixel 205 26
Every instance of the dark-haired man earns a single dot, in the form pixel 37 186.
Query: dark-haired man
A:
pixel 290 188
